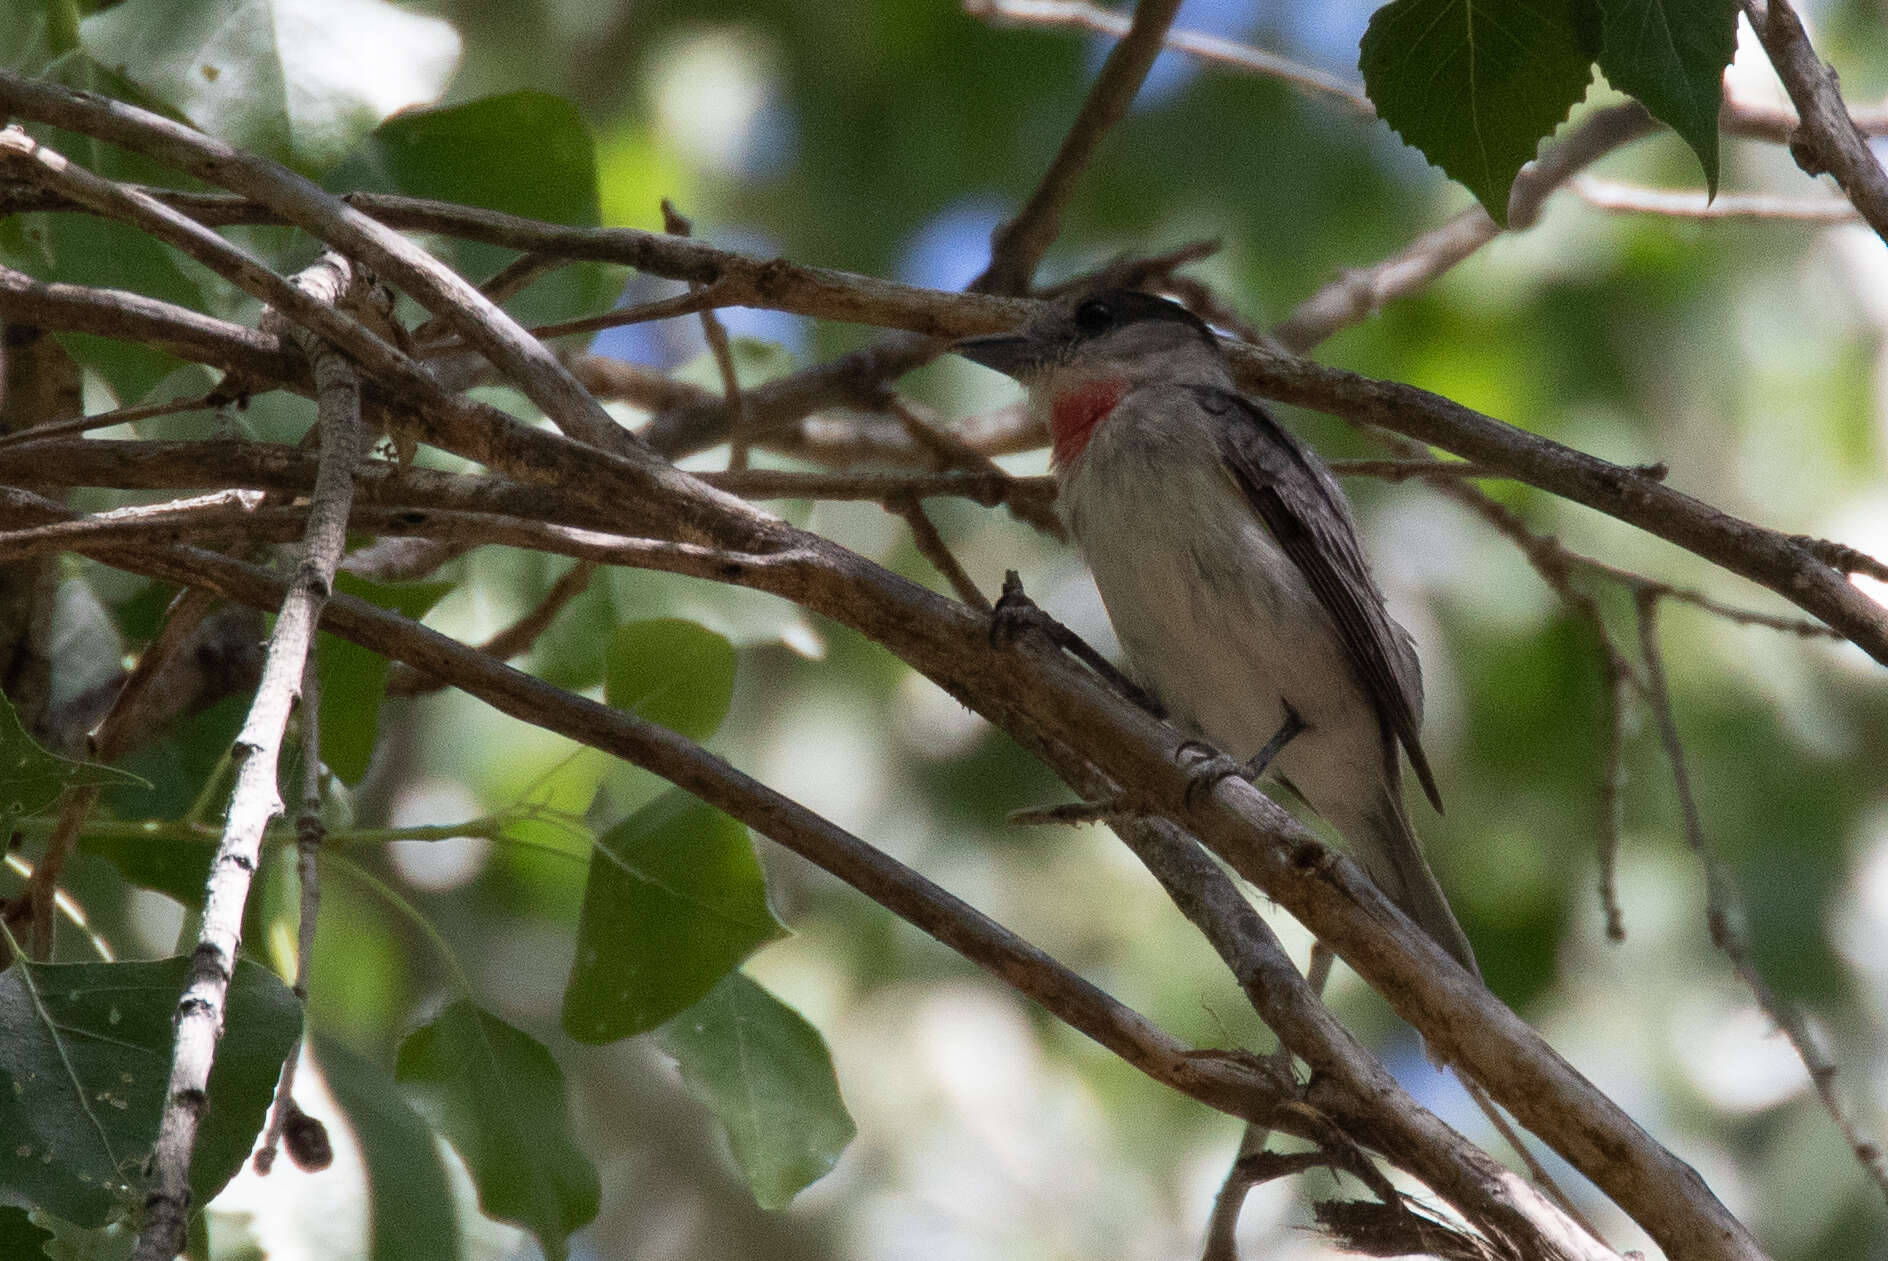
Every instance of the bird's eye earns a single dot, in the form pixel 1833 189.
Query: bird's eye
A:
pixel 1094 316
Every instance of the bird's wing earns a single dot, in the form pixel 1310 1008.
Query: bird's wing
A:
pixel 1299 502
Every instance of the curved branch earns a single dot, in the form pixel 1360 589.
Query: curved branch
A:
pixel 1826 140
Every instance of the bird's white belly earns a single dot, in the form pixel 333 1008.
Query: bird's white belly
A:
pixel 1220 625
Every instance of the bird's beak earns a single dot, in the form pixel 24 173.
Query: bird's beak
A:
pixel 1008 353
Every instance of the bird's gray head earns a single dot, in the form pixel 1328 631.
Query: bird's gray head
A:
pixel 1082 355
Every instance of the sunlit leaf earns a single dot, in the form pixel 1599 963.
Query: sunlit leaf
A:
pixel 675 900
pixel 499 1096
pixel 85 1053
pixel 766 1075
pixel 299 80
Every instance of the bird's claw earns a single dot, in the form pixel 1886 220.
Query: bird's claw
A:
pixel 1016 613
pixel 1205 766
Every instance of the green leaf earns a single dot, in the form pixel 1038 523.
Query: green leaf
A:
pixel 498 1095
pixel 354 679
pixel 525 153
pixel 1477 84
pixel 176 866
pixel 408 1195
pixel 675 900
pixel 766 1075
pixel 178 763
pixel 19 1237
pixel 31 779
pixel 1671 55
pixel 671 671
pixel 113 1242
pixel 85 1054
pixel 299 80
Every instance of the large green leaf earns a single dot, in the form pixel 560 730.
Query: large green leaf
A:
pixel 409 1200
pixel 85 1053
pixel 299 80
pixel 675 900
pixel 1477 84
pixel 1671 55
pixel 671 671
pixel 525 153
pixel 354 679
pixel 31 779
pixel 766 1075
pixel 499 1096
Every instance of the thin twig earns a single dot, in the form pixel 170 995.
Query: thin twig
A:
pixel 953 452
pixel 1626 198
pixel 104 420
pixel 1360 292
pixel 120 729
pixel 676 223
pixel 1018 246
pixel 932 547
pixel 1210 48
pixel 1722 911
pixel 699 300
pixel 309 833
pixel 1611 801
pixel 516 639
pixel 503 285
pixel 1826 140
pixel 1842 557
pixel 1253 1164
pixel 255 800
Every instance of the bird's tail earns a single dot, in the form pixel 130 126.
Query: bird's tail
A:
pixel 1394 858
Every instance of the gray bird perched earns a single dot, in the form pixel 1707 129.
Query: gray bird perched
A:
pixel 1229 564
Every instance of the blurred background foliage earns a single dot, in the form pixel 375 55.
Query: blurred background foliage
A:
pixel 889 137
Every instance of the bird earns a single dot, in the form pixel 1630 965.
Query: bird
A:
pixel 1227 558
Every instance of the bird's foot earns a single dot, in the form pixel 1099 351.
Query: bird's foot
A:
pixel 1206 766
pixel 1016 614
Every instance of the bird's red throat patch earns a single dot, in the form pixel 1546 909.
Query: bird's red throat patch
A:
pixel 1075 413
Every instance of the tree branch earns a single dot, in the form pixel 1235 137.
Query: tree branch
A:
pixel 255 800
pixel 1826 140
pixel 1018 246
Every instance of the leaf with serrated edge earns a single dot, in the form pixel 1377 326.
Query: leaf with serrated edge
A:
pixel 1477 84
pixel 766 1075
pixel 1670 55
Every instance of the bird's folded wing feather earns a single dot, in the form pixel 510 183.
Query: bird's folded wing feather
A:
pixel 1299 502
